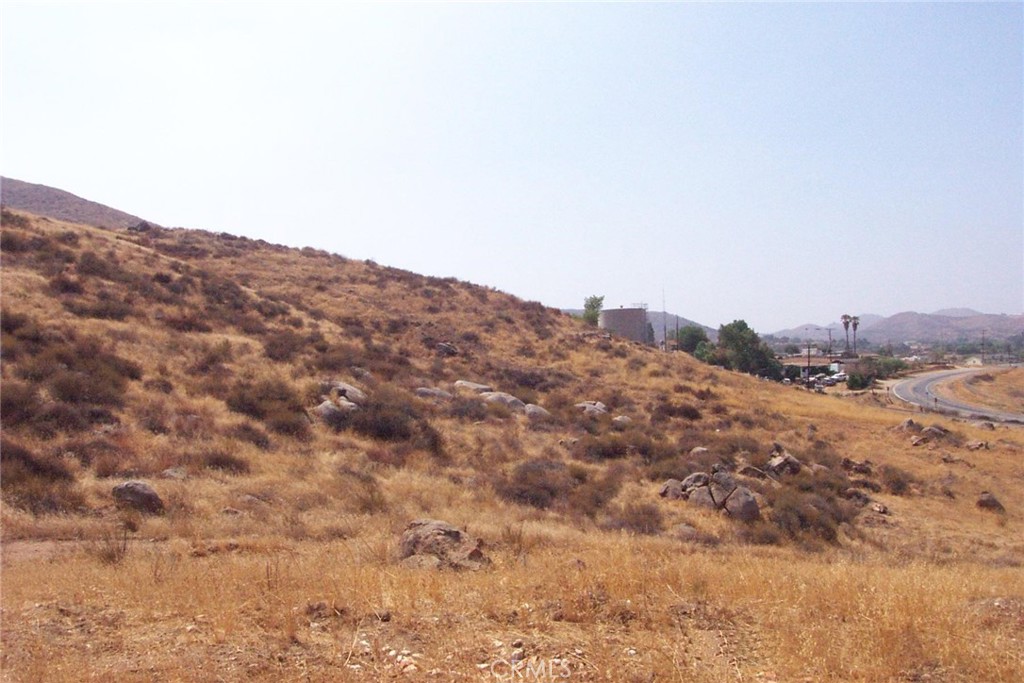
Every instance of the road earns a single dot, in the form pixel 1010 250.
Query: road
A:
pixel 920 391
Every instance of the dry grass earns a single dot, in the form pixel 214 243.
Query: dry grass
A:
pixel 1002 389
pixel 275 557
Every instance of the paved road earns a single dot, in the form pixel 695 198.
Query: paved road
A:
pixel 920 391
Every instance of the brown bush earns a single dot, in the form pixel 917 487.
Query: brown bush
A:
pixel 638 518
pixel 37 483
pixel 538 483
pixel 895 480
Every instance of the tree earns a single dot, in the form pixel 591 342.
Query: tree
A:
pixel 592 309
pixel 741 349
pixel 855 322
pixel 688 338
pixel 846 326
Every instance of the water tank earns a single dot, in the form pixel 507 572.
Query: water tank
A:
pixel 630 323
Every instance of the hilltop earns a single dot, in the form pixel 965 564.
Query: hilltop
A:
pixel 295 410
pixel 949 325
pixel 50 201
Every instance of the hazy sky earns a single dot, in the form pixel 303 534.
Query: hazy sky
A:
pixel 780 163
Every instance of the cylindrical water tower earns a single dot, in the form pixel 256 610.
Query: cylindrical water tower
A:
pixel 630 323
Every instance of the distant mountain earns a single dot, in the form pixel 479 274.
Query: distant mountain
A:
pixel 817 332
pixel 922 327
pixel 49 201
pixel 662 321
pixel 948 325
pixel 958 312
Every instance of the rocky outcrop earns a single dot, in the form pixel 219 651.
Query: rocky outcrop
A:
pixel 782 462
pixel 344 391
pixel 717 491
pixel 536 413
pixel 433 543
pixel 138 495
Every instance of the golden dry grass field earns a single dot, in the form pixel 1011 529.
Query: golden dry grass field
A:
pixel 196 362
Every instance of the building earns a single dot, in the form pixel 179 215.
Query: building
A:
pixel 630 323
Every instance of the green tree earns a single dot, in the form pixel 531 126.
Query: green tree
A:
pixel 741 349
pixel 688 338
pixel 592 306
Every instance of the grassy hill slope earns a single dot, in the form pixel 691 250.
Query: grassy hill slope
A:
pixel 197 362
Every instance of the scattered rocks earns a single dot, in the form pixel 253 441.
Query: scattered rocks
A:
pixel 985 425
pixel 935 432
pixel 976 445
pixel 857 467
pixel 475 387
pixel 138 495
pixel 432 543
pixel 717 491
pixel 918 440
pixel 879 508
pixel 987 501
pixel 751 471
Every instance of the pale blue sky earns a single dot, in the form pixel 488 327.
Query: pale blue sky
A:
pixel 780 163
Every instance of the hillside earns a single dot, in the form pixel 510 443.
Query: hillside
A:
pixel 295 410
pixel 49 201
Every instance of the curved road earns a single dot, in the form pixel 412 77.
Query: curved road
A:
pixel 920 391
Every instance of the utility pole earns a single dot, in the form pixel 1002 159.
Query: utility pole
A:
pixel 983 346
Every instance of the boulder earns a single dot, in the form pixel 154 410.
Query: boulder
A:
pixel 507 400
pixel 694 480
pixel 178 473
pixel 536 412
pixel 344 390
pixel 698 450
pixel 447 349
pixel 783 463
pixel 987 501
pixel 671 489
pixel 474 387
pixel 138 495
pixel 432 392
pixel 976 445
pixel 330 409
pixel 985 425
pixel 622 421
pixel 592 407
pixel 702 496
pixel 724 480
pixel 918 440
pixel 450 547
pixel 908 425
pixel 935 432
pixel 751 471
pixel 741 505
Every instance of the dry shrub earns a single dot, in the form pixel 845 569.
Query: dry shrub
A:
pixel 896 481
pixel 223 461
pixel 273 400
pixel 250 433
pixel 37 483
pixel 639 518
pixel 538 483
pixel 391 415
pixel 19 403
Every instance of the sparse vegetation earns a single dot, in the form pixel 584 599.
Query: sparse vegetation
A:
pixel 208 386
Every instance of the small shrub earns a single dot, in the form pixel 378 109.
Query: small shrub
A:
pixel 469 409
pixel 272 400
pixel 250 433
pixel 37 483
pixel 19 403
pixel 638 518
pixel 537 483
pixel 895 480
pixel 225 462
pixel 283 345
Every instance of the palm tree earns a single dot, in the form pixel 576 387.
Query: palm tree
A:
pixel 846 326
pixel 855 321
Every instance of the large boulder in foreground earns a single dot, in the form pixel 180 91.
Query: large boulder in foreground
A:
pixel 138 495
pixel 434 543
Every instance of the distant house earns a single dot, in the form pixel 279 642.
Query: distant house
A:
pixel 974 362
